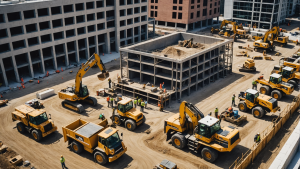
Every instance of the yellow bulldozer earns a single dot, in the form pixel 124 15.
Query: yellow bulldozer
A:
pixel 260 104
pixel 128 115
pixel 34 121
pixel 80 92
pixel 200 131
pixel 98 139
pixel 275 86
pixel 248 66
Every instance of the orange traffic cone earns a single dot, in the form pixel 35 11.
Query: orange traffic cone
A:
pixel 38 81
pixel 62 69
pixel 62 78
pixel 103 54
pixel 1 95
pixel 23 86
pixel 19 88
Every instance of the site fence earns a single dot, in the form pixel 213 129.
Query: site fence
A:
pixel 266 136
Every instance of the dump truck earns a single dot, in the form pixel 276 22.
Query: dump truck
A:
pixel 233 117
pixel 3 102
pixel 275 86
pixel 289 75
pixel 248 66
pixel 260 104
pixel 166 164
pixel 98 139
pixel 127 115
pixel 35 103
pixel 199 131
pixel 34 121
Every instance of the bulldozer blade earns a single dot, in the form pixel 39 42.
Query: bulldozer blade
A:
pixel 103 76
pixel 247 70
pixel 257 57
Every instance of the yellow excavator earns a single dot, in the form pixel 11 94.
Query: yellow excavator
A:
pixel 80 92
pixel 276 37
pixel 237 30
pixel 190 128
pixel 265 43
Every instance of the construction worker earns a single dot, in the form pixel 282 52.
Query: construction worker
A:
pixel 112 102
pixel 257 138
pixel 216 112
pixel 109 82
pixel 139 102
pixel 146 104
pixel 135 102
pixel 142 106
pixel 210 114
pixel 233 100
pixel 254 85
pixel 107 99
pixel 62 161
pixel 230 111
pixel 101 116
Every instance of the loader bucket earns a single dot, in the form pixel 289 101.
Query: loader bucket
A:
pixel 103 76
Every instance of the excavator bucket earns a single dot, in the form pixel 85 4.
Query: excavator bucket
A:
pixel 103 76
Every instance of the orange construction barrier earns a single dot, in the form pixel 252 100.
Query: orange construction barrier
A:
pixel 22 80
pixel 19 88
pixel 23 86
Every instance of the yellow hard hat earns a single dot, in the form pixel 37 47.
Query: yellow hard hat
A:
pixel 61 156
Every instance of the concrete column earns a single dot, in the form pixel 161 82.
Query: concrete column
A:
pixel 153 31
pixel 42 62
pixel 189 80
pixel 67 63
pixel 107 40
pixel 166 24
pixel 15 69
pixel 180 81
pixel 54 59
pixel 3 73
pixel 121 74
pixel 186 29
pixel 30 65
pixel 175 26
pixel 197 73
pixel 172 76
pixel 140 33
pixel 141 75
pixel 77 52
pixel 176 80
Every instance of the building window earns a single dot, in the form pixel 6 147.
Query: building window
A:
pixel 215 10
pixel 90 5
pixel 198 6
pixel 14 16
pixel 155 13
pixel 180 8
pixel 174 1
pixel 44 25
pixel 56 10
pixel 209 12
pixel 218 9
pixel 198 1
pixel 198 14
pixel 31 28
pixel 193 1
pixel 215 3
pixel 68 8
pixel 43 12
pixel 192 15
pixel 152 7
pixel 180 1
pixel 79 7
pixel 192 7
pixel 210 5
pixel 204 12
pixel 174 15
pixel 90 17
pixel 80 19
pixel 29 14
pixel 179 15
pixel 57 23
pixel 155 7
pixel 156 1
pixel 204 2
pixel 174 7
pixel 152 14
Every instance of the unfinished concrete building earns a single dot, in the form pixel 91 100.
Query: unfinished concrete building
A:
pixel 182 70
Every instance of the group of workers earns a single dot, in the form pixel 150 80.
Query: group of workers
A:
pixel 140 102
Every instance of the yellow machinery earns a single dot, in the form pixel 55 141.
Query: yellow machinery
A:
pixel 257 37
pixel 248 66
pixel 190 128
pixel 34 121
pixel 275 36
pixel 265 43
pixel 237 30
pixel 258 103
pixel 98 139
pixel 289 74
pixel 80 92
pixel 275 86
pixel 3 102
pixel 166 164
pixel 128 115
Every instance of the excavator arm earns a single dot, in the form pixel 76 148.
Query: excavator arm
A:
pixel 86 67
pixel 193 112
pixel 273 31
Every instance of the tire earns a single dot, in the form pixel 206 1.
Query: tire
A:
pixel 117 120
pixel 242 106
pixel 178 141
pixel 130 125
pixel 276 94
pixel 80 108
pixel 265 90
pixel 37 135
pixel 144 119
pixel 258 112
pixel 76 147
pixel 293 82
pixel 91 101
pixel 21 127
pixel 255 49
pixel 100 158
pixel 209 154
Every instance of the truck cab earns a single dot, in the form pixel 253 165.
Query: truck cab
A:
pixel 128 115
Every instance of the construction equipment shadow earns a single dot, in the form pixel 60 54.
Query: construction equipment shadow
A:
pixel 52 138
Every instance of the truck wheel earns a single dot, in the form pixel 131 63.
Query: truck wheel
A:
pixel 37 135
pixel 130 124
pixel 242 106
pixel 21 127
pixel 144 119
pixel 292 82
pixel 100 158
pixel 117 120
pixel 276 94
pixel 258 112
pixel 209 154
pixel 265 90
pixel 178 141
pixel 77 147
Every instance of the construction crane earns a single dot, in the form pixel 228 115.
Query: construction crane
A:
pixel 190 128
pixel 80 92
pixel 265 43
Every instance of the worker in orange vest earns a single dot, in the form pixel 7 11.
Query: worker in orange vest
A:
pixel 160 106
pixel 107 99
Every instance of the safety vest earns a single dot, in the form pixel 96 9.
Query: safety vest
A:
pixel 254 82
pixel 107 99
pixel 62 160
pixel 111 99
pixel 233 98
pixel 135 101
pixel 139 100
pixel 258 138
pixel 143 104
pixel 158 105
pixel 216 110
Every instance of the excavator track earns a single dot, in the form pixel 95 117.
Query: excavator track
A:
pixel 72 106
pixel 91 101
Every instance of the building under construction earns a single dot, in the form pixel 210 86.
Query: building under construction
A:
pixel 184 62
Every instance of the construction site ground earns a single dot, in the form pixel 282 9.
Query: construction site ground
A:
pixel 145 150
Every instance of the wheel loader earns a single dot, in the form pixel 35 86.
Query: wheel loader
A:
pixel 289 75
pixel 259 104
pixel 202 134
pixel 79 92
pixel 128 115
pixel 34 121
pixel 248 66
pixel 275 86
pixel 98 139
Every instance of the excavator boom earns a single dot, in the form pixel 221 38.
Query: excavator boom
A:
pixel 193 112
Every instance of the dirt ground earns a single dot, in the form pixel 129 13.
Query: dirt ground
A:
pixel 144 150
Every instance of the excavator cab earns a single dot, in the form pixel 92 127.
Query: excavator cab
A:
pixel 251 95
pixel 287 72
pixel 208 127
pixel 275 78
pixel 84 91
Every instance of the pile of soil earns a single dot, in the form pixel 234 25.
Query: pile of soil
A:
pixel 4 159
